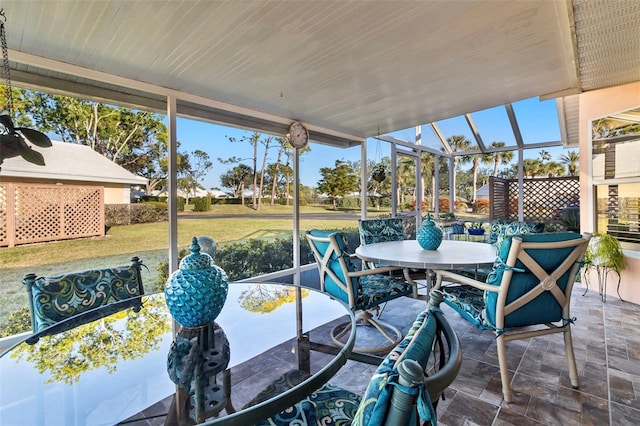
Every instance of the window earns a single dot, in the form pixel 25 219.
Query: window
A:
pixel 616 176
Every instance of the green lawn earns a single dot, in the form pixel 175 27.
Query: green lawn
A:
pixel 148 241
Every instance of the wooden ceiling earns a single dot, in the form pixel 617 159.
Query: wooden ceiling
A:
pixel 348 69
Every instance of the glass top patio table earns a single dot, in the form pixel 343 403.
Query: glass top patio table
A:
pixel 121 362
pixel 451 254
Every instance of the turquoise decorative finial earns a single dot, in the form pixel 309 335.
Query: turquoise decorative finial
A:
pixel 196 292
pixel 195 247
pixel 429 234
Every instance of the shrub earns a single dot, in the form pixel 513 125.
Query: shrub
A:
pixel 126 214
pixel 18 321
pixel 423 205
pixel 481 206
pixel 249 258
pixel 201 204
pixel 149 212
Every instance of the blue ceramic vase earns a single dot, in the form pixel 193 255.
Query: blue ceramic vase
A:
pixel 429 234
pixel 196 292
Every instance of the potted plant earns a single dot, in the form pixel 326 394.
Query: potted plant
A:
pixel 604 250
pixel 476 228
pixel 604 254
pixel 458 227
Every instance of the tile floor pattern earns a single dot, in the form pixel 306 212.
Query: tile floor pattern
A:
pixel 606 338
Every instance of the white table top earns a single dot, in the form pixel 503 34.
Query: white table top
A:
pixel 451 254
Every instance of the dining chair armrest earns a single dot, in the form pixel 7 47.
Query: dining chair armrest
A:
pixel 374 271
pixel 461 279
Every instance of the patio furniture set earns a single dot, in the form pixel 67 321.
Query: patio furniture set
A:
pixel 527 286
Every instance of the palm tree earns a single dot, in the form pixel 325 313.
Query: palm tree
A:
pixel 553 168
pixel 545 155
pixel 532 167
pixel 475 158
pixel 497 158
pixel 572 160
pixel 458 143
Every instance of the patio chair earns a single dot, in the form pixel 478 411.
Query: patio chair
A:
pixel 380 230
pixel 527 293
pixel 406 385
pixel 362 290
pixel 54 299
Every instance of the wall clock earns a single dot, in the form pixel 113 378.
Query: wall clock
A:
pixel 298 135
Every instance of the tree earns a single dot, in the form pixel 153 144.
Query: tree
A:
pixel 572 160
pixel 198 166
pixel 553 168
pixel 533 167
pixel 544 155
pixel 120 134
pixel 237 179
pixel 338 181
pixel 188 185
pixel 458 143
pixel 497 158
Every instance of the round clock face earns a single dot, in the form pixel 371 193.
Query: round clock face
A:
pixel 298 135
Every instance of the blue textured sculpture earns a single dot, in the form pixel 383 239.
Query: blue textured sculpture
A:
pixel 429 234
pixel 195 293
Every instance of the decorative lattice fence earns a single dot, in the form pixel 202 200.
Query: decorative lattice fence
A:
pixel 32 213
pixel 542 198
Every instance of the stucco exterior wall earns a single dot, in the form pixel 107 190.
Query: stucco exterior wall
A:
pixel 594 105
pixel 113 193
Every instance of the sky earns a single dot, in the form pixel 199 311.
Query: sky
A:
pixel 538 122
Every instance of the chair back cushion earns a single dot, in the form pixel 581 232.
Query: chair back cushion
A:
pixel 333 282
pixel 544 308
pixel 381 230
pixel 500 229
pixel 416 345
pixel 59 297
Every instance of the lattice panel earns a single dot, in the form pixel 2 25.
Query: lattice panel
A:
pixel 542 198
pixel 4 219
pixel 36 213
pixel 82 212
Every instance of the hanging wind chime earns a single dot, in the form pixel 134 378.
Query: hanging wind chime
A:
pixel 14 140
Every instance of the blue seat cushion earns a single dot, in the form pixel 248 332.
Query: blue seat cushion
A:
pixel 468 301
pixel 500 229
pixel 380 230
pixel 60 297
pixel 330 405
pixel 416 345
pixel 371 290
pixel 378 288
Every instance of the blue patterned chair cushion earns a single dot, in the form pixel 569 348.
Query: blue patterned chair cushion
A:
pixel 59 297
pixel 380 230
pixel 378 288
pixel 371 290
pixel 469 302
pixel 500 229
pixel 415 345
pixel 331 405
